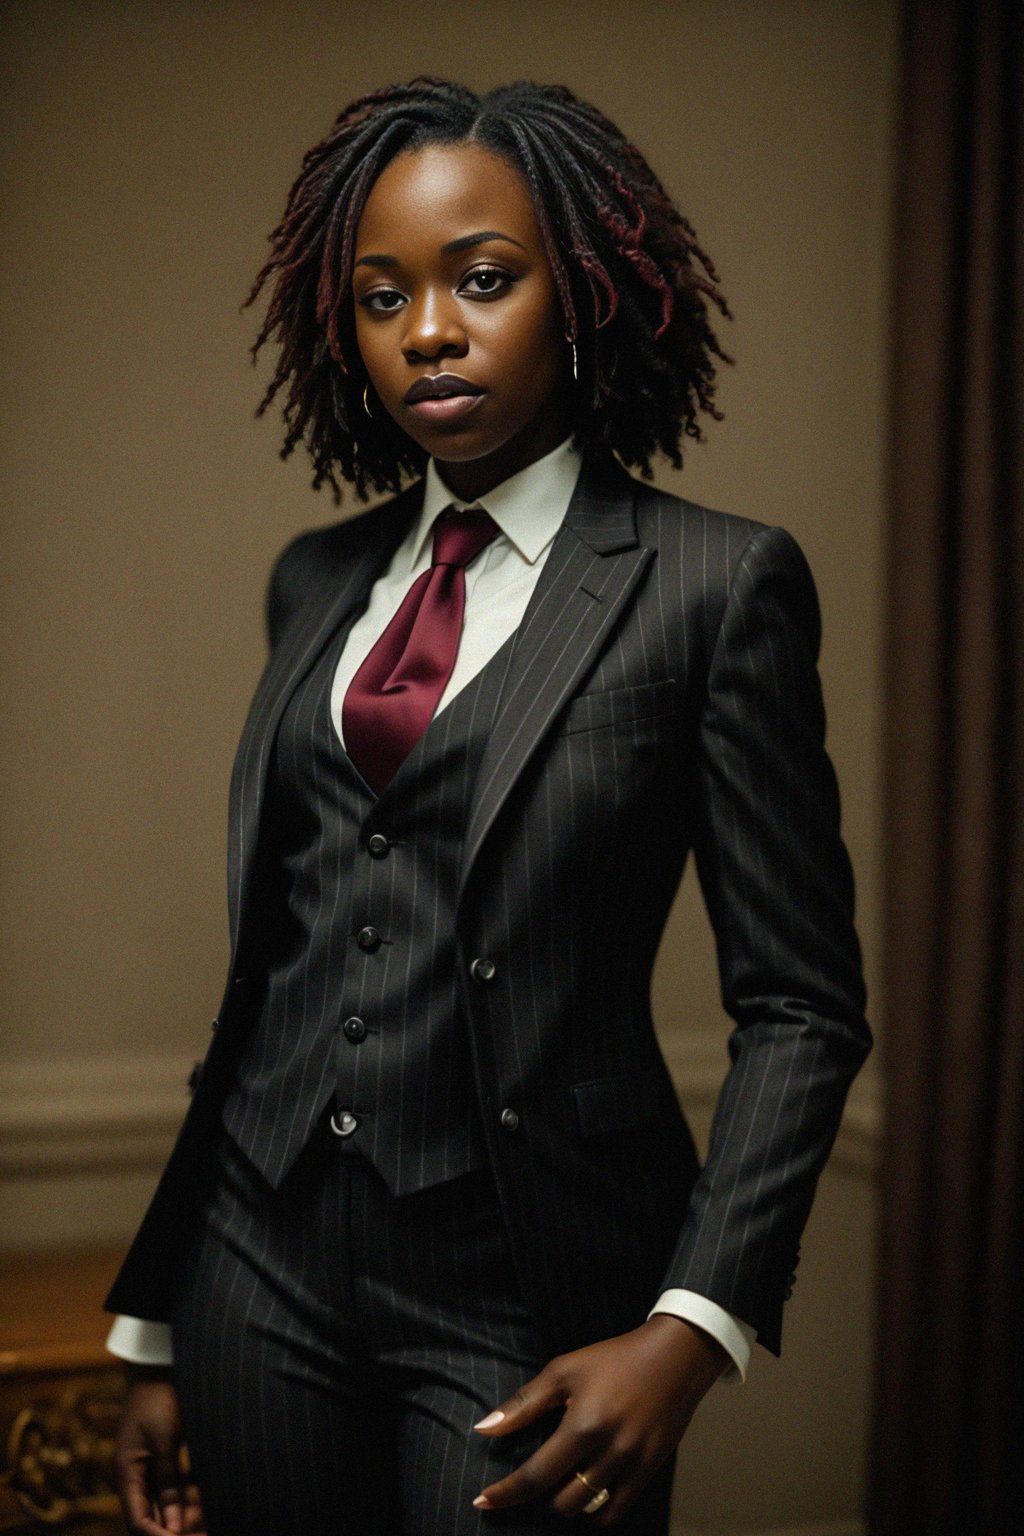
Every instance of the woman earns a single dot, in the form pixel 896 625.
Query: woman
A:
pixel 433 1252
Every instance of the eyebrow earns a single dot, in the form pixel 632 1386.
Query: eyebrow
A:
pixel 463 243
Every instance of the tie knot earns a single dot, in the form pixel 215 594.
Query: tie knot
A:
pixel 460 536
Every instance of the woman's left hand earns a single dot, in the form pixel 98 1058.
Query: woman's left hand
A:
pixel 626 1401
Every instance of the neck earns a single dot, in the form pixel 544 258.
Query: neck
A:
pixel 470 479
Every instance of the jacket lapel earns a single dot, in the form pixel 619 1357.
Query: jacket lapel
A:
pixel 593 567
pixel 339 591
pixel 589 575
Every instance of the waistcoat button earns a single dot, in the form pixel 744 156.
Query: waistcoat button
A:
pixel 344 1123
pixel 378 846
pixel 509 1120
pixel 483 970
pixel 355 1030
pixel 368 939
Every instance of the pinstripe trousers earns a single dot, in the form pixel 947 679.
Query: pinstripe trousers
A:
pixel 334 1345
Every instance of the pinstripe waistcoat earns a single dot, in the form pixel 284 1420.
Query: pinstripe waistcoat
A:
pixel 361 1004
pixel 661 696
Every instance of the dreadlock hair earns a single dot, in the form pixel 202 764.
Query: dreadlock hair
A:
pixel 634 284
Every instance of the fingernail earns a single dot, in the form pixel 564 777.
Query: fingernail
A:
pixel 491 1419
pixel 480 1502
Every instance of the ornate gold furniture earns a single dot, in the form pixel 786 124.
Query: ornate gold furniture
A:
pixel 60 1394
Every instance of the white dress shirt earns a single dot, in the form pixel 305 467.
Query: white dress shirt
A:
pixel 529 508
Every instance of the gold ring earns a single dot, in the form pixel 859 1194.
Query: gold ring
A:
pixel 601 1495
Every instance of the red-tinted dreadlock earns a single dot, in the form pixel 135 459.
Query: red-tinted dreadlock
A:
pixel 633 281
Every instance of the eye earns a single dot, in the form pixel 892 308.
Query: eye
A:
pixel 383 300
pixel 486 281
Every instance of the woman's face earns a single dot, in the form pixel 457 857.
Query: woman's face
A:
pixel 451 278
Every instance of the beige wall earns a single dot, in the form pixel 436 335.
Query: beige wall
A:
pixel 146 150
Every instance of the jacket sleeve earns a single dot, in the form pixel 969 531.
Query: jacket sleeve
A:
pixel 778 886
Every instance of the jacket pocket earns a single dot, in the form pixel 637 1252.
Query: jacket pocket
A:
pixel 609 1104
pixel 620 706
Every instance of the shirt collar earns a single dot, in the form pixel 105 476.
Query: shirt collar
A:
pixel 528 507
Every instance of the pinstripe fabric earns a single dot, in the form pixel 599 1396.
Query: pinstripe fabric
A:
pixel 404 1072
pixel 661 696
pixel 364 1336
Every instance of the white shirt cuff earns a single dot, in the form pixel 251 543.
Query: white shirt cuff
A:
pixel 736 1337
pixel 140 1341
pixel 148 1343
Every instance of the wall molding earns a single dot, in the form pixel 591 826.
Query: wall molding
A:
pixel 122 1112
pixel 84 1115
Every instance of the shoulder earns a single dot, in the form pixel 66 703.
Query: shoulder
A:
pixel 723 561
pixel 312 561
pixel 667 522
pixel 321 548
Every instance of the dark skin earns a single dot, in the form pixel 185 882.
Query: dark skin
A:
pixel 150 1457
pixel 487 310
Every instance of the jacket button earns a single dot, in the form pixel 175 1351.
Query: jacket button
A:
pixel 483 970
pixel 344 1122
pixel 355 1030
pixel 368 939
pixel 213 1025
pixel 378 846
pixel 509 1120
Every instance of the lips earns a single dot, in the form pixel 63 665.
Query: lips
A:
pixel 440 386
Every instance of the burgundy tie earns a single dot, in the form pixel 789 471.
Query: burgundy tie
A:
pixel 392 697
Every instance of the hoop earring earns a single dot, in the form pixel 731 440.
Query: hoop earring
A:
pixel 366 403
pixel 575 368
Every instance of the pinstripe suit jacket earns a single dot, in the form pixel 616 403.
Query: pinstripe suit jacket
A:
pixel 662 696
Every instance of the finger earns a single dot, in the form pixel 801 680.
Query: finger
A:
pixel 195 1520
pixel 624 1488
pixel 534 1398
pixel 138 1506
pixel 147 1527
pixel 543 1472
pixel 587 1484
pixel 172 1512
pixel 143 1522
pixel 165 1480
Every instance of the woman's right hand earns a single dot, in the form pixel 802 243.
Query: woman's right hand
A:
pixel 151 1460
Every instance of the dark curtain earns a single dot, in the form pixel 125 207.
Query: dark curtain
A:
pixel 949 1432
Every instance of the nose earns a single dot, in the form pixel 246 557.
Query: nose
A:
pixel 433 328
